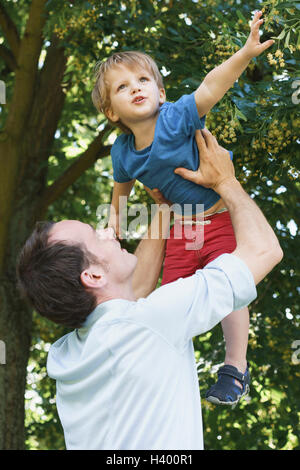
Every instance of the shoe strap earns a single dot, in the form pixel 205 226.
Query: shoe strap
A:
pixel 232 372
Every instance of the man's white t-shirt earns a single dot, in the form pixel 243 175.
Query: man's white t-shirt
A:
pixel 128 378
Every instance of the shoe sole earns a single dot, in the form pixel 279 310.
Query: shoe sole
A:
pixel 216 400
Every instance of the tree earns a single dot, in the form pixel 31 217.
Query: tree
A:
pixel 54 160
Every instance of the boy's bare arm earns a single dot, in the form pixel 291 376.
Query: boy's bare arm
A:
pixel 221 78
pixel 120 189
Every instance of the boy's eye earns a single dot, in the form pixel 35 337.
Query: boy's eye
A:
pixel 143 79
pixel 121 87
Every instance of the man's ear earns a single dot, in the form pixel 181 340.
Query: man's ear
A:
pixel 111 115
pixel 93 278
pixel 162 95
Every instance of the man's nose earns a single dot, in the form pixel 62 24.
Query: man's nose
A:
pixel 110 233
pixel 106 233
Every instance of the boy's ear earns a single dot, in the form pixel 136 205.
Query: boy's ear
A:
pixel 111 115
pixel 162 95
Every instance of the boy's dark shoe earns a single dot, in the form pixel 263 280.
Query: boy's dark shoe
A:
pixel 226 391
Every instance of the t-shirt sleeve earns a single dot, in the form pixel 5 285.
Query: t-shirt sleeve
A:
pixel 191 306
pixel 119 173
pixel 181 117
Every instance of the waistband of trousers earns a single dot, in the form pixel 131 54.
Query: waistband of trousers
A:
pixel 203 220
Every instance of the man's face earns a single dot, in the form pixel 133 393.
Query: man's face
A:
pixel 102 244
pixel 134 95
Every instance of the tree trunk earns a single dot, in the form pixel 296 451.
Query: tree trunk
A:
pixel 25 146
pixel 15 327
pixel 31 150
pixel 19 114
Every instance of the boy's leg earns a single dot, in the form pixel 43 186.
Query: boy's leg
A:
pixel 236 330
pixel 220 239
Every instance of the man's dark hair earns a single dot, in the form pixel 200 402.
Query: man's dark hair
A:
pixel 49 277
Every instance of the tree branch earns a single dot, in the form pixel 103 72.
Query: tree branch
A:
pixel 44 116
pixel 8 57
pixel 95 151
pixel 10 31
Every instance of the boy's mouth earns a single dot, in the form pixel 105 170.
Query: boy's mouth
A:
pixel 139 99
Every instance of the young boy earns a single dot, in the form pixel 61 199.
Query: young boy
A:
pixel 158 138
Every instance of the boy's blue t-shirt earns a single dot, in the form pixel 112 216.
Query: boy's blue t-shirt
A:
pixel 173 146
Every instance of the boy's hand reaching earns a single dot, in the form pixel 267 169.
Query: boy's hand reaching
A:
pixel 219 80
pixel 253 46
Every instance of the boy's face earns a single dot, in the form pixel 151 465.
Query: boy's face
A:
pixel 134 95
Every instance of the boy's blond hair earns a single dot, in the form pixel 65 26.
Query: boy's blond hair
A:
pixel 101 91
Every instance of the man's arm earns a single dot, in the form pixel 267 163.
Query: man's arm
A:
pixel 257 244
pixel 150 251
pixel 116 210
pixel 221 78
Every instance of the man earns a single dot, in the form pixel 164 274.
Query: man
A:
pixel 126 378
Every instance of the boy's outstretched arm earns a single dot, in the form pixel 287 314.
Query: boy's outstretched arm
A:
pixel 221 78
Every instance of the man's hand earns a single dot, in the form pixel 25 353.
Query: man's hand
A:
pixel 215 164
pixel 253 46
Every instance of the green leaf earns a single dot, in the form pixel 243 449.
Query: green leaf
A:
pixel 281 35
pixel 287 39
pixel 239 114
pixel 241 16
pixel 172 30
pixel 289 4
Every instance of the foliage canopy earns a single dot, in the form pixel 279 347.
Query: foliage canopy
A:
pixel 258 120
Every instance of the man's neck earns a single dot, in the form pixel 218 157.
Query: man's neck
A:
pixel 116 292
